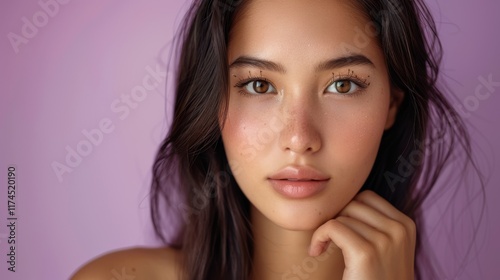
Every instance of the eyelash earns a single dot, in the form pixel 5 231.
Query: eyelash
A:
pixel 243 83
pixel 351 77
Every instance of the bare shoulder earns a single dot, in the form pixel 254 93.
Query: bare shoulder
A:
pixel 132 263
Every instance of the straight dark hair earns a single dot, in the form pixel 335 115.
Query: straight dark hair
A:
pixel 193 187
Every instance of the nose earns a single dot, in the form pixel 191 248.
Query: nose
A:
pixel 301 132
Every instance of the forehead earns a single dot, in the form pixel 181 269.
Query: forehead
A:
pixel 301 28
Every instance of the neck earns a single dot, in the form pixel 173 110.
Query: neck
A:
pixel 283 254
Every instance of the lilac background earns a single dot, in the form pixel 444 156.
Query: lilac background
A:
pixel 90 53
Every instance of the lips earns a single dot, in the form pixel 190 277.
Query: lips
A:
pixel 299 173
pixel 297 182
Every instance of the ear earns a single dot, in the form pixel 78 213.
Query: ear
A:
pixel 397 96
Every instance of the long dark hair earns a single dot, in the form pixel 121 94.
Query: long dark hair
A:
pixel 193 187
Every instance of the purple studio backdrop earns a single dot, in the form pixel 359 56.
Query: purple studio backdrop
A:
pixel 68 69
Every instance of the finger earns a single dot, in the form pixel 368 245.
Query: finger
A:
pixel 341 235
pixel 369 233
pixel 375 201
pixel 368 215
pixel 372 199
pixel 397 232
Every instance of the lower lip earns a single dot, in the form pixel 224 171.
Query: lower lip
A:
pixel 298 189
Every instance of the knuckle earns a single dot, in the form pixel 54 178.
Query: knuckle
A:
pixel 330 225
pixel 411 226
pixel 398 231
pixel 383 242
pixel 367 252
pixel 327 226
pixel 412 230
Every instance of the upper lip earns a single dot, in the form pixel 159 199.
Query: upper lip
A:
pixel 299 173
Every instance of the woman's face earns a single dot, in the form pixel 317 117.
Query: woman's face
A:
pixel 309 89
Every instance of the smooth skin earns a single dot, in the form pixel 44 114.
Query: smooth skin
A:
pixel 308 86
pixel 132 264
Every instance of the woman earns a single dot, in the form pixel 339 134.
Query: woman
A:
pixel 306 136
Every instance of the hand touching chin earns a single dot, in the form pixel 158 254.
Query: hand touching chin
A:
pixel 376 239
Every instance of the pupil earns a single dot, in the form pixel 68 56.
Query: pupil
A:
pixel 261 86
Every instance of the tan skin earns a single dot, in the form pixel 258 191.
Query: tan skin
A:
pixel 328 116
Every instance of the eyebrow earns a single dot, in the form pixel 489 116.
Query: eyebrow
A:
pixel 351 60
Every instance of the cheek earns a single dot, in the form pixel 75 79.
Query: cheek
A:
pixel 244 149
pixel 350 135
pixel 241 131
pixel 354 138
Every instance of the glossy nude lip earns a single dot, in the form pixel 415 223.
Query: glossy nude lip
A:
pixel 298 181
pixel 298 188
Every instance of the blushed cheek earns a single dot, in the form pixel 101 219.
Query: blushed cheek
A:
pixel 355 136
pixel 239 134
pixel 361 131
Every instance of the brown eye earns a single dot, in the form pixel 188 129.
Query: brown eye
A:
pixel 260 86
pixel 343 86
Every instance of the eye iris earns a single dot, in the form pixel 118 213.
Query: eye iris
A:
pixel 260 86
pixel 343 86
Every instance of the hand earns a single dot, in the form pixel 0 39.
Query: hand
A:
pixel 377 240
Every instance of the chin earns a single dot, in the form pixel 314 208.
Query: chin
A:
pixel 301 217
pixel 299 224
